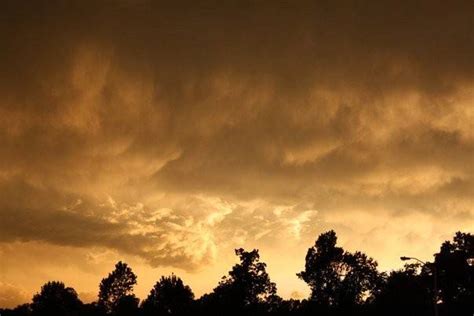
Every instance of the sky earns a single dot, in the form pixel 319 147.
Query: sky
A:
pixel 167 135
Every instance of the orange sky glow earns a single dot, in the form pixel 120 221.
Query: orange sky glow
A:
pixel 168 135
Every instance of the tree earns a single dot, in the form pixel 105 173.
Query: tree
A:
pixel 126 306
pixel 20 310
pixel 246 288
pixel 323 268
pixel 455 275
pixel 56 299
pixel 360 280
pixel 405 292
pixel 169 296
pixel 117 285
pixel 92 309
pixel 338 278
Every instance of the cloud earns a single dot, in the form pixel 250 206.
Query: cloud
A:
pixel 167 239
pixel 11 296
pixel 173 133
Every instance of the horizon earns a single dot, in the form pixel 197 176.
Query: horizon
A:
pixel 167 135
pixel 142 292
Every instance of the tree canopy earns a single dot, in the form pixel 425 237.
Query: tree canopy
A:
pixel 336 277
pixel 169 296
pixel 341 283
pixel 247 286
pixel 56 299
pixel 117 287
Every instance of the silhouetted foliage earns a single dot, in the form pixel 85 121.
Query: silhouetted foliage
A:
pixel 20 310
pixel 341 282
pixel 56 299
pixel 455 275
pixel 405 292
pixel 92 309
pixel 169 296
pixel 126 306
pixel 338 278
pixel 247 287
pixel 116 287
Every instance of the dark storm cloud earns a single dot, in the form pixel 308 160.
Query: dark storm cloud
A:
pixel 328 106
pixel 34 214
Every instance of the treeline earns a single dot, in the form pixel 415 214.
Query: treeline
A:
pixel 341 283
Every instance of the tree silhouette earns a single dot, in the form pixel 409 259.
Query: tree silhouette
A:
pixel 323 268
pixel 338 278
pixel 56 299
pixel 405 292
pixel 92 309
pixel 169 296
pixel 20 310
pixel 126 306
pixel 361 279
pixel 455 275
pixel 341 282
pixel 247 287
pixel 116 286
